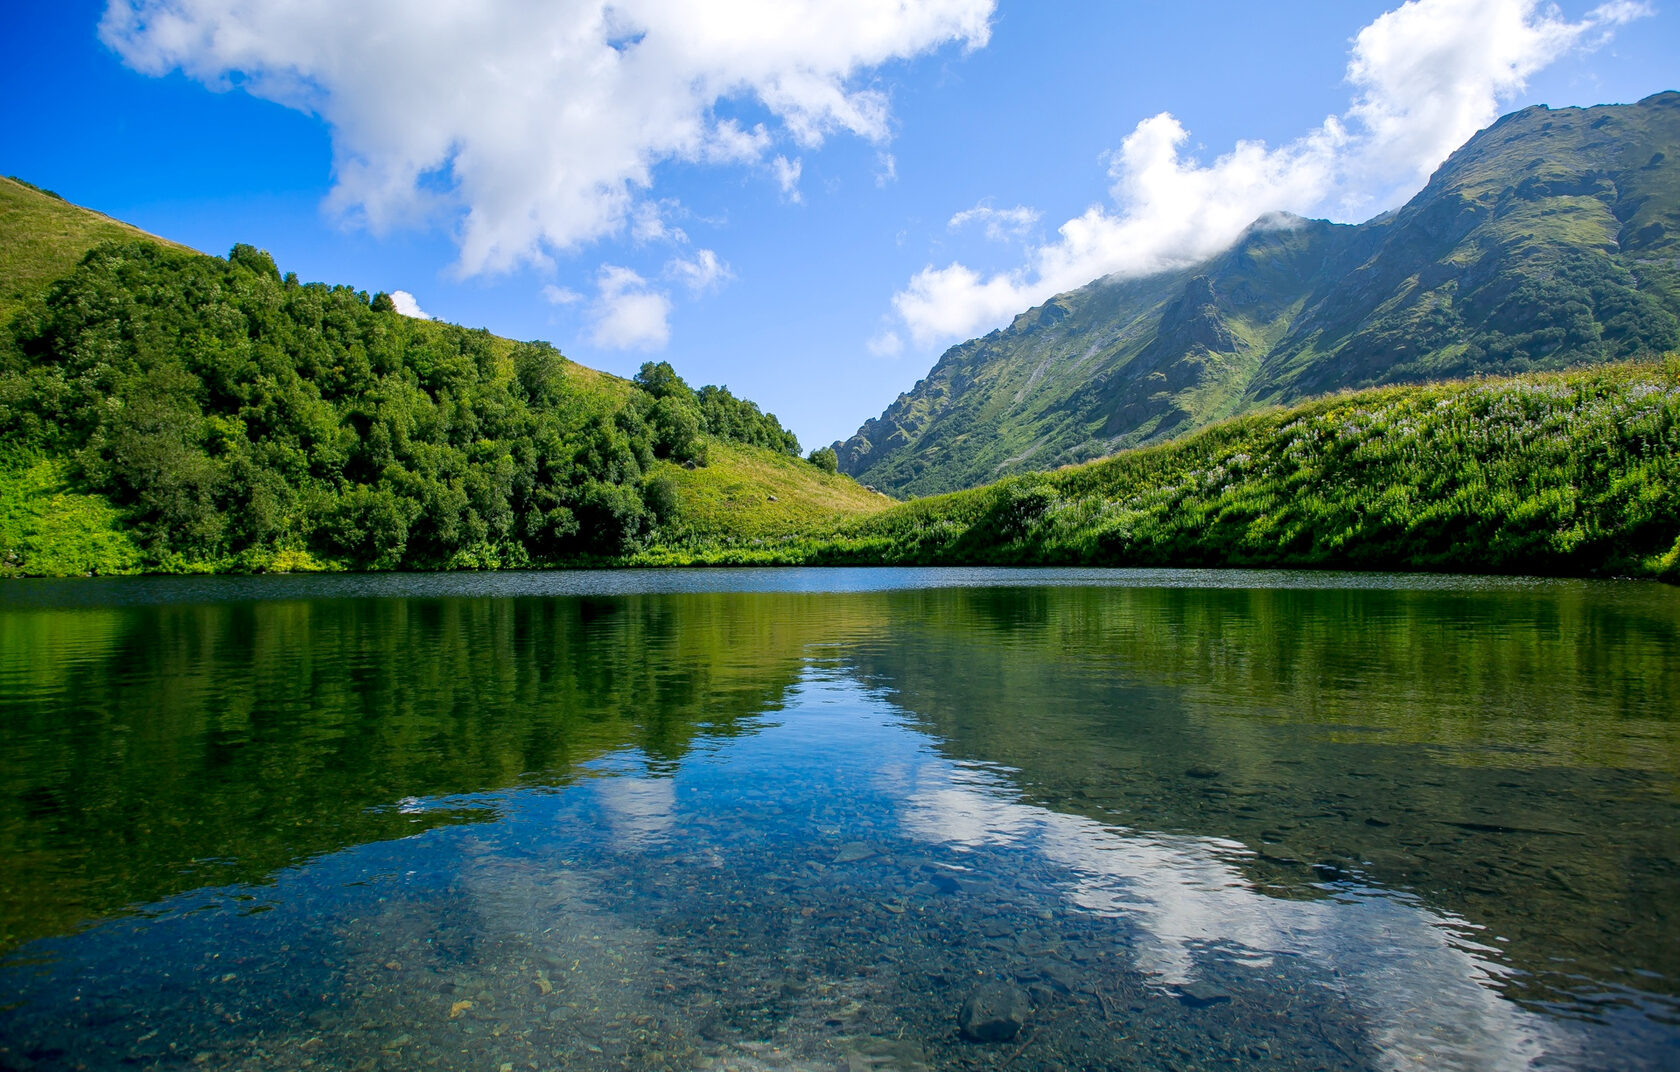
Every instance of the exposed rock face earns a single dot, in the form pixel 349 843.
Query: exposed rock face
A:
pixel 1550 239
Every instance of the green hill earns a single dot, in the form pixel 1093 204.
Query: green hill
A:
pixel 1548 241
pixel 161 409
pixel 44 238
pixel 748 492
pixel 1569 473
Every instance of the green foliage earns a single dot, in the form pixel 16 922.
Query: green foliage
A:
pixel 676 430
pixel 824 458
pixel 719 413
pixel 1571 473
pixel 46 527
pixel 736 419
pixel 232 417
pixel 1548 241
pixel 661 381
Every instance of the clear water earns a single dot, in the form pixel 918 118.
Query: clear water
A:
pixel 794 819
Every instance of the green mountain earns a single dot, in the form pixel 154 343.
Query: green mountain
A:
pixel 1549 240
pixel 161 409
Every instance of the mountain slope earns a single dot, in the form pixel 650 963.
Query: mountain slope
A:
pixel 45 237
pixel 165 410
pixel 1572 472
pixel 1549 240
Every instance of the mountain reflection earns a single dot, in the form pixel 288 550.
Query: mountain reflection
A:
pixel 1382 827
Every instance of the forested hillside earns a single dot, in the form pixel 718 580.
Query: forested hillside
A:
pixel 161 408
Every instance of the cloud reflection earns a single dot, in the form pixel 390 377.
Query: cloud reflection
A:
pixel 1427 990
pixel 639 810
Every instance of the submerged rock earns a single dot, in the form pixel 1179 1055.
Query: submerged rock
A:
pixel 1201 995
pixel 994 1012
pixel 852 852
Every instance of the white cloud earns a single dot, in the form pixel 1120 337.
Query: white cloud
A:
pixel 647 223
pixel 407 306
pixel 538 126
pixel 1618 12
pixel 555 295
pixel 1001 224
pixel 886 172
pixel 700 273
pixel 886 344
pixel 730 144
pixel 1426 76
pixel 1433 72
pixel 627 313
pixel 787 176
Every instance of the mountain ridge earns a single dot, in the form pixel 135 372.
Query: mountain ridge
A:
pixel 1548 240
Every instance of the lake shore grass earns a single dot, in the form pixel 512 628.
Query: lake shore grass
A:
pixel 1574 473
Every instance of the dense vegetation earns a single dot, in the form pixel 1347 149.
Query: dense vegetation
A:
pixel 164 410
pixel 234 417
pixel 1548 241
pixel 43 236
pixel 1548 473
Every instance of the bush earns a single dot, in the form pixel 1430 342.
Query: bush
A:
pixel 825 459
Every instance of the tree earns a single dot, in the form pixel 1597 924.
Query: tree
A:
pixel 676 430
pixel 825 459
pixel 662 381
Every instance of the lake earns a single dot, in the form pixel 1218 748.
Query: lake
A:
pixel 840 819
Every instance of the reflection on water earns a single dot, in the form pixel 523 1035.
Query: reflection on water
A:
pixel 1319 826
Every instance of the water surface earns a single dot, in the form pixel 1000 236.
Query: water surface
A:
pixel 793 819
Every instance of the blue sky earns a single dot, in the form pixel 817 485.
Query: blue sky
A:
pixel 807 200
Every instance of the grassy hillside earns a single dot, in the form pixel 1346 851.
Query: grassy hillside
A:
pixel 1548 241
pixel 164 410
pixel 1572 473
pixel 45 236
pixel 750 493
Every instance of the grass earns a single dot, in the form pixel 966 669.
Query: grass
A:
pixel 750 493
pixel 45 237
pixel 47 528
pixel 1566 473
pixel 1569 473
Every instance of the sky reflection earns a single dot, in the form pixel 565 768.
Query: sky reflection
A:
pixel 1429 991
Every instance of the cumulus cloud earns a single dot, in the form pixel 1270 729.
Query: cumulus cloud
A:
pixel 1425 76
pixel 627 313
pixel 537 127
pixel 887 344
pixel 407 306
pixel 648 223
pixel 1001 224
pixel 787 176
pixel 556 295
pixel 699 273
